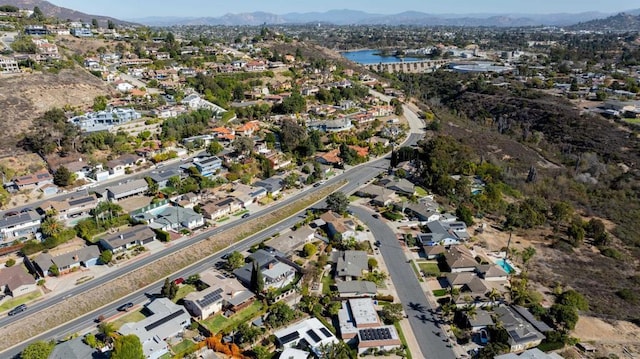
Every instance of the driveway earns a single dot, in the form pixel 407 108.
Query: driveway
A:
pixel 421 315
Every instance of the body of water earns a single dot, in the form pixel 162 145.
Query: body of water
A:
pixel 368 57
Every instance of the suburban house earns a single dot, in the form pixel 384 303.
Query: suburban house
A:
pixel 127 189
pixel 130 237
pixel 273 185
pixel 524 331
pixel 223 293
pixel 359 322
pixel 309 334
pixel 472 289
pixel 423 211
pixel 207 166
pixel 15 281
pixel 248 194
pixel 175 218
pixel 401 186
pixel 167 321
pixel 221 208
pixel 162 178
pixel 379 195
pixel 356 289
pixel 72 207
pixel 338 125
pixel 18 225
pixel 331 158
pixel 480 320
pixel 293 353
pixel 118 167
pixel 105 120
pixel 288 242
pixel 443 233
pixel 338 225
pixel 350 265
pixel 460 259
pixel 492 272
pixel 275 272
pixel 533 353
pixel 67 262
pixel 31 181
pixel 76 348
pixel 195 102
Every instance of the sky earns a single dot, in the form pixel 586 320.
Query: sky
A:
pixel 132 9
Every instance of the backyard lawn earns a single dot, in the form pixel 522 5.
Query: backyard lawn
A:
pixel 327 283
pixel 12 303
pixel 131 317
pixel 421 192
pixel 219 323
pixel 183 290
pixel 430 269
pixel 184 347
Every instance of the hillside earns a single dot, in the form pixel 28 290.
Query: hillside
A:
pixel 619 22
pixel 24 97
pixel 59 12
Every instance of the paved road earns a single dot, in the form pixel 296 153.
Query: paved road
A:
pixel 355 178
pixel 419 311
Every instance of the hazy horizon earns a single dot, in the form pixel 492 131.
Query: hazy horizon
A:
pixel 202 8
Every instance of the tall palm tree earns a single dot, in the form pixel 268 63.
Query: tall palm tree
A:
pixel 51 226
pixel 108 332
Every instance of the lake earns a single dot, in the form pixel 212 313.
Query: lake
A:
pixel 367 57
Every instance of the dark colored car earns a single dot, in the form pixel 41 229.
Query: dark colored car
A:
pixel 317 184
pixel 246 215
pixel 226 256
pixel 125 307
pixel 17 310
pixel 376 215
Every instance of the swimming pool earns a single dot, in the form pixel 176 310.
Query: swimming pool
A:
pixel 506 266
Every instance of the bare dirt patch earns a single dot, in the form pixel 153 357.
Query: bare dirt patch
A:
pixel 609 337
pixel 27 96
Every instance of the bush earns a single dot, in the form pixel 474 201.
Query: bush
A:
pixel 10 262
pixel 611 253
pixel 384 297
pixel 392 216
pixel 372 263
pixel 309 249
pixel 162 235
pixel 627 294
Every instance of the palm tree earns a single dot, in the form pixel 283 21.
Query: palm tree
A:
pixel 494 295
pixel 51 226
pixel 108 331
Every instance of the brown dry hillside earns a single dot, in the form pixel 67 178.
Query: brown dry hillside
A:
pixel 26 96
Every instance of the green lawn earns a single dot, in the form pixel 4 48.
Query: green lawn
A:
pixel 421 192
pixel 225 218
pixel 402 339
pixel 183 290
pixel 219 323
pixel 238 214
pixel 430 269
pixel 184 347
pixel 635 121
pixel 132 317
pixel 440 292
pixel 327 283
pixel 12 303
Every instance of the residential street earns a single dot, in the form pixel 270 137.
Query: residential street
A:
pixel 421 315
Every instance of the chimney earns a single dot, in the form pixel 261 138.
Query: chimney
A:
pixel 271 265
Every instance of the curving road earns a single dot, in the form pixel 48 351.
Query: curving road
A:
pixel 414 301
pixel 355 178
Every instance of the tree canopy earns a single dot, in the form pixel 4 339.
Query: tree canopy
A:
pixel 127 347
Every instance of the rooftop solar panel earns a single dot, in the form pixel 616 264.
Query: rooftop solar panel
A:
pixel 326 332
pixel 289 338
pixel 315 337
pixel 161 321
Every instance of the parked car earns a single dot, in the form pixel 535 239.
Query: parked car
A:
pixel 17 310
pixel 125 307
pixel 179 280
pixel 246 215
pixel 375 215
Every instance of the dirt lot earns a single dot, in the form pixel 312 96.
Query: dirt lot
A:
pixel 24 97
pixel 610 338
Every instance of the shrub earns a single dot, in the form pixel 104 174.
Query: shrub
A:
pixel 10 262
pixel 611 253
pixel 627 294
pixel 384 297
pixel 162 235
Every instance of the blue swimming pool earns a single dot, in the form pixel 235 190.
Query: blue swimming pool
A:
pixel 506 266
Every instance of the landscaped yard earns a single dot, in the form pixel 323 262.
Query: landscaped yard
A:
pixel 430 269
pixel 415 269
pixel 131 317
pixel 237 214
pixel 327 283
pixel 183 290
pixel 402 339
pixel 225 218
pixel 421 192
pixel 184 347
pixel 219 323
pixel 440 292
pixel 12 303
pixel 635 121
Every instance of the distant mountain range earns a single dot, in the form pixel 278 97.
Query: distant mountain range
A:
pixel 59 12
pixel 355 17
pixel 621 22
